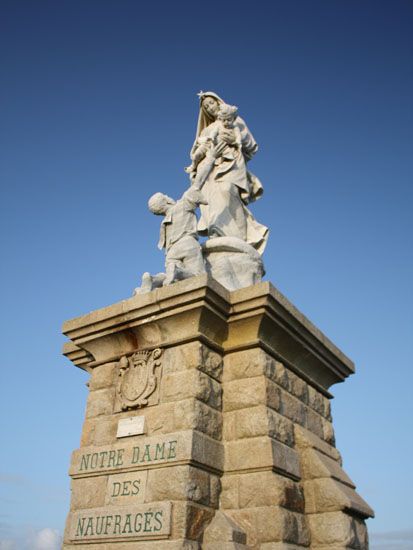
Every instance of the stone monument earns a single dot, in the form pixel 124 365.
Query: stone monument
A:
pixel 208 422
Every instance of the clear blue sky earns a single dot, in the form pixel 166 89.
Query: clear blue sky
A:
pixel 98 110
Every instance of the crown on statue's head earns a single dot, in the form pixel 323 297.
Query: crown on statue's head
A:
pixel 141 355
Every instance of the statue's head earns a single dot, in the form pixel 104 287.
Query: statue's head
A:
pixel 210 105
pixel 160 203
pixel 227 114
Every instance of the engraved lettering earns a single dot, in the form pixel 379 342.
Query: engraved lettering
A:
pixel 94 460
pixel 118 519
pixel 124 522
pixel 108 523
pixel 84 463
pixel 135 486
pixel 147 454
pixel 111 461
pixel 120 457
pixel 161 450
pixel 116 489
pixel 89 526
pixel 148 517
pixel 80 526
pixel 158 519
pixel 103 456
pixel 126 490
pixel 172 449
pixel 135 456
pixel 127 524
pixel 99 528
pixel 138 522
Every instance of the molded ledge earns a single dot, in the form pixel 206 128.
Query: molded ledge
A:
pixel 201 309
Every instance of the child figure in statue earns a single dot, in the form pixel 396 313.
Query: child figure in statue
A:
pixel 178 236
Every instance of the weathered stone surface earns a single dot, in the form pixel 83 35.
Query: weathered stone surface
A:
pixel 269 489
pixel 285 459
pixel 275 426
pixel 258 420
pixel 193 356
pixel 248 364
pixel 314 422
pixel 229 492
pixel 315 400
pixel 100 402
pixel 224 546
pixel 328 432
pixel 275 524
pixel 315 465
pixel 327 409
pixel 298 387
pixel 319 403
pixel 306 439
pixel 281 376
pixel 183 483
pixel 190 520
pixel 240 394
pixel 88 493
pixel 281 546
pixel 99 431
pixel 222 529
pixel 261 452
pixel 361 532
pixel 103 376
pixel 292 408
pixel 280 428
pixel 329 495
pixel 193 414
pixel 215 490
pixel 181 544
pixel 248 422
pixel 247 454
pixel 333 528
pixel 159 419
pixel 192 383
pixel 251 363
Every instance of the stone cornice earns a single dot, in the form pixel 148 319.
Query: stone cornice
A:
pixel 261 314
pixel 201 309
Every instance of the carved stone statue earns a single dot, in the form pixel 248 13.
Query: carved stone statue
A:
pixel 234 241
pixel 178 236
pixel 229 186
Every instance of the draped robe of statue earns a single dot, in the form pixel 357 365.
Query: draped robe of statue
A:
pixel 229 186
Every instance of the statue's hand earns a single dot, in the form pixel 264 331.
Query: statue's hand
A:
pixel 228 136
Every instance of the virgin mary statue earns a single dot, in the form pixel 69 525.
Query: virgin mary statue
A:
pixel 229 186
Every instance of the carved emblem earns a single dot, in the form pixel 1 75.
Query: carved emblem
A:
pixel 137 378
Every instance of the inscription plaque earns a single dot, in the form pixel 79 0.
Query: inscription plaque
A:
pixel 134 425
pixel 126 488
pixel 121 522
pixel 150 452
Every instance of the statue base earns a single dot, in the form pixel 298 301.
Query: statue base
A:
pixel 208 425
pixel 232 262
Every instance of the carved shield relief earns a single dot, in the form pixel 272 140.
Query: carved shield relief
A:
pixel 138 378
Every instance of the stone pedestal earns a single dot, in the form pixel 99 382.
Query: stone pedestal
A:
pixel 208 426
